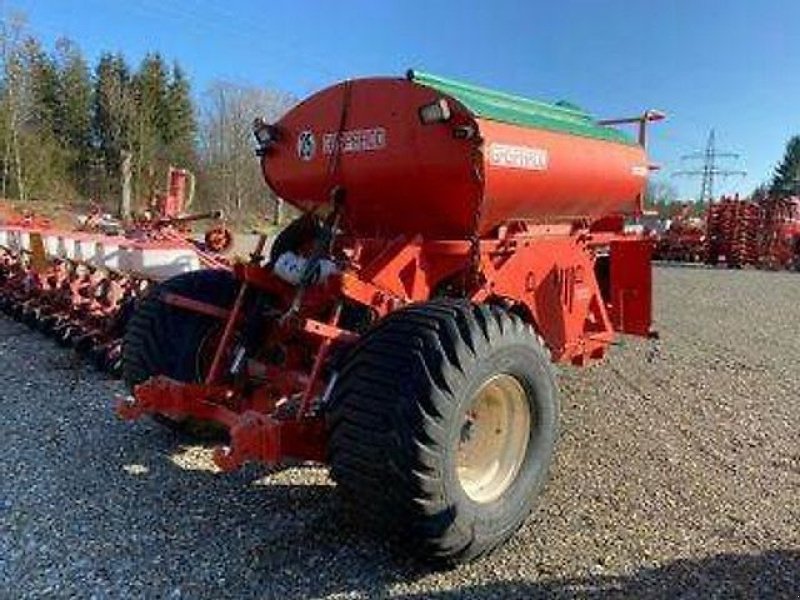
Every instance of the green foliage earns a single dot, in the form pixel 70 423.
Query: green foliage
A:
pixel 761 192
pixel 787 174
pixel 180 128
pixel 43 89
pixel 658 196
pixel 64 128
pixel 662 197
pixel 112 120
pixel 74 111
pixel 150 93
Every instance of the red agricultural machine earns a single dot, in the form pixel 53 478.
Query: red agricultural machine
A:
pixel 764 233
pixel 685 238
pixel 737 233
pixel 455 242
pixel 779 238
pixel 79 286
pixel 732 232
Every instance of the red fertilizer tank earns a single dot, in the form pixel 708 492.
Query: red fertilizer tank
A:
pixel 433 156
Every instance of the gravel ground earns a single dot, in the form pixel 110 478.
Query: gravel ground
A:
pixel 678 475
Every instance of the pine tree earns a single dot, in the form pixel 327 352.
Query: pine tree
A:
pixel 151 121
pixel 181 126
pixel 65 129
pixel 112 118
pixel 75 110
pixel 42 93
pixel 787 174
pixel 760 192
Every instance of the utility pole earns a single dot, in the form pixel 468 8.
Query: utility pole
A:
pixel 710 169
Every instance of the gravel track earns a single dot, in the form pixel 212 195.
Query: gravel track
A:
pixel 677 475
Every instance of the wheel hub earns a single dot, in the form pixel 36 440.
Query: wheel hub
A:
pixel 493 438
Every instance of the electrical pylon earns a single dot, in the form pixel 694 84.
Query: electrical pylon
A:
pixel 710 170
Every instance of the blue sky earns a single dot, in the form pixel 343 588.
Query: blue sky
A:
pixel 733 65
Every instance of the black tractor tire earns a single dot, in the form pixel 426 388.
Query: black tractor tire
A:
pixel 397 417
pixel 297 234
pixel 162 339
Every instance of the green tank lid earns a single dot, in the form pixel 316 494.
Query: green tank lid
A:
pixel 507 108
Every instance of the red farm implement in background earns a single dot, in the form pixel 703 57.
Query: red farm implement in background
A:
pixel 455 241
pixel 684 240
pixel 732 232
pixel 764 234
pixel 779 237
pixel 79 286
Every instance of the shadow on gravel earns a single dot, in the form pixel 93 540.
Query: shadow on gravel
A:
pixel 91 506
pixel 281 534
pixel 292 539
pixel 774 574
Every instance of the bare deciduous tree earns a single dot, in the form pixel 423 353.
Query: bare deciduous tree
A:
pixel 230 174
pixel 11 33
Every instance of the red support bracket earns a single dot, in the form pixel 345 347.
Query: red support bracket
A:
pixel 259 437
pixel 329 332
pixel 254 436
pixel 166 396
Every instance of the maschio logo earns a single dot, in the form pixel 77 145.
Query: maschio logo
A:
pixel 518 157
pixel 306 145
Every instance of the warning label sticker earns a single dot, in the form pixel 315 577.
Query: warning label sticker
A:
pixel 355 140
pixel 518 157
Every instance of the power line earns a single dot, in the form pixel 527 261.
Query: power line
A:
pixel 710 170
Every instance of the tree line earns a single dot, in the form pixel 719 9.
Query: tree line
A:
pixel 67 127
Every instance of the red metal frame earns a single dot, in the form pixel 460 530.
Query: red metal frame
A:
pixel 78 303
pixel 476 208
pixel 549 277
